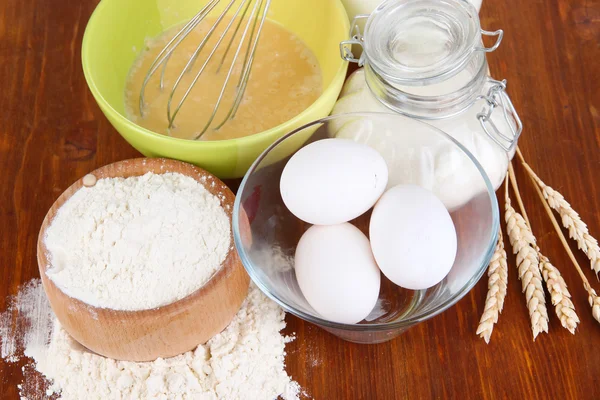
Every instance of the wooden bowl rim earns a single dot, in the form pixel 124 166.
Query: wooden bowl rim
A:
pixel 224 270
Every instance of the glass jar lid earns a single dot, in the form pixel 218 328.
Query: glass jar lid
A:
pixel 422 42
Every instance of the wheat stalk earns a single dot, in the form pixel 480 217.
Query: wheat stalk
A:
pixel 557 287
pixel 570 219
pixel 497 282
pixel 523 242
pixel 593 298
pixel 559 294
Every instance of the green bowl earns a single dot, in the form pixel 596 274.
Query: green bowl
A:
pixel 116 32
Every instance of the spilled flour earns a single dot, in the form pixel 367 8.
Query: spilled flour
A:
pixel 245 361
pixel 27 322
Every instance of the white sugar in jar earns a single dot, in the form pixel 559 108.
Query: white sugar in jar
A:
pixel 426 59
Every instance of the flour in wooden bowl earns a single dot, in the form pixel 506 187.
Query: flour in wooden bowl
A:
pixel 137 243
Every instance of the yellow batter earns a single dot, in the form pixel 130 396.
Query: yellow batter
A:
pixel 284 81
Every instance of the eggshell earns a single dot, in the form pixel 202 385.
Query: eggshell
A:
pixel 332 181
pixel 413 237
pixel 337 273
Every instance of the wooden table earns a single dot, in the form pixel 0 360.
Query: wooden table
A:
pixel 52 132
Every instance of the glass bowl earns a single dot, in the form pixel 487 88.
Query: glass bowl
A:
pixel 266 232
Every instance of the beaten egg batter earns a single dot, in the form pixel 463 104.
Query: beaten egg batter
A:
pixel 284 81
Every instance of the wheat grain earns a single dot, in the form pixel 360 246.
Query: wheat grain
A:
pixel 594 301
pixel 523 245
pixel 570 219
pixel 559 294
pixel 497 282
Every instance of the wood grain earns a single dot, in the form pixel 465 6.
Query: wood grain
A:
pixel 160 332
pixel 52 133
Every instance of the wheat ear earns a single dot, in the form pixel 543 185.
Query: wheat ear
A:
pixel 593 297
pixel 557 287
pixel 559 294
pixel 497 282
pixel 523 242
pixel 571 220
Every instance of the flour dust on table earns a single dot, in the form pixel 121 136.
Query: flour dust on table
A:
pixel 245 361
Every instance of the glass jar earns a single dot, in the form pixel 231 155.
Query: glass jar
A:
pixel 363 8
pixel 426 59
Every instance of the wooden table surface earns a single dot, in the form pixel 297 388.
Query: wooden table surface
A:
pixel 52 132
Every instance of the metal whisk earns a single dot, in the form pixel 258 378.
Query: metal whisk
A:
pixel 252 30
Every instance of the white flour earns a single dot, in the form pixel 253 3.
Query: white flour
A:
pixel 137 243
pixel 34 330
pixel 245 361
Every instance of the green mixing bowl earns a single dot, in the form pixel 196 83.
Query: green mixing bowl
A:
pixel 116 32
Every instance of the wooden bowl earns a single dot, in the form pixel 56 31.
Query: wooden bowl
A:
pixel 161 332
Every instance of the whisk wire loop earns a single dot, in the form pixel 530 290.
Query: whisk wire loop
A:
pixel 166 52
pixel 171 116
pixel 252 28
pixel 252 21
pixel 247 66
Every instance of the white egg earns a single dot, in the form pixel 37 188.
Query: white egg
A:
pixel 332 181
pixel 413 237
pixel 337 273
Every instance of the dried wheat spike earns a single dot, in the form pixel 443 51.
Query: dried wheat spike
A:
pixel 497 281
pixel 594 301
pixel 571 220
pixel 559 294
pixel 523 243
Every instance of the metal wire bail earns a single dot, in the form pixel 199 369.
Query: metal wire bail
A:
pixel 356 37
pixel 497 97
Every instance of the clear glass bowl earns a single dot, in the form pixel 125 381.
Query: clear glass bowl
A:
pixel 266 233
